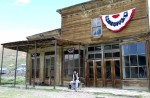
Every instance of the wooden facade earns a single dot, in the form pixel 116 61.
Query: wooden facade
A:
pixel 109 60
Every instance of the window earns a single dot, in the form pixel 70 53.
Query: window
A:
pixel 94 52
pixel 49 66
pixel 134 60
pixel 71 62
pixel 96 27
pixel 111 51
pixel 37 67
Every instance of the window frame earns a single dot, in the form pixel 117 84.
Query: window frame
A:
pixel 138 66
pixel 92 27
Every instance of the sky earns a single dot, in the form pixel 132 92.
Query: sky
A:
pixel 22 18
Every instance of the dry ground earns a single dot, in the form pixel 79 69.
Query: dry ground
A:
pixel 62 92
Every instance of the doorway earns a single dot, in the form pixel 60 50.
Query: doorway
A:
pixel 49 69
pixel 112 73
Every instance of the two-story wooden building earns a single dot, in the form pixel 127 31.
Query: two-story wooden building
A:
pixel 106 41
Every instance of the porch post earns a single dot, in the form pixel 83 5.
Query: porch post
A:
pixel 1 65
pixel 35 63
pixel 55 64
pixel 16 65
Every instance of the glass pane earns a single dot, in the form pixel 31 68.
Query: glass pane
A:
pixel 96 31
pixel 94 22
pixel 98 55
pixel 116 54
pixel 133 60
pixel 133 48
pixel 141 48
pixel 98 64
pixel 90 48
pixel 116 46
pixel 142 72
pixel 127 72
pixel 108 70
pixel 108 55
pixel 125 50
pixel 52 62
pixel 76 63
pixel 107 47
pixel 81 63
pixel 117 69
pixel 81 72
pixel 91 64
pixel 97 48
pixel 91 56
pixel 126 61
pixel 99 73
pixel 91 73
pixel 134 72
pixel 47 65
pixel 142 60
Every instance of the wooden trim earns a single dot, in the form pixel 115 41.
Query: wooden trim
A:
pixel 121 63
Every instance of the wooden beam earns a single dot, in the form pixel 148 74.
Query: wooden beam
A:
pixel 35 64
pixel 1 65
pixel 16 66
pixel 55 63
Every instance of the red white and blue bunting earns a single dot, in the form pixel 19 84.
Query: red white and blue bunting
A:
pixel 71 50
pixel 117 22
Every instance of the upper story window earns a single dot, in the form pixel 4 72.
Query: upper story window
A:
pixel 96 27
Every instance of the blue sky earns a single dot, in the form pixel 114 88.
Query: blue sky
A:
pixel 21 18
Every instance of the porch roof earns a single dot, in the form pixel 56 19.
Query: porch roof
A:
pixel 40 43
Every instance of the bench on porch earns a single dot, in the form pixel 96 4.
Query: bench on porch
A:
pixel 79 86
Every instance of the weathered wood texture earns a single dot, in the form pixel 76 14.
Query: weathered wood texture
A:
pixel 76 24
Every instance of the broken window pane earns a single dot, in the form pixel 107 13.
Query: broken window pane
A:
pixel 133 60
pixel 126 60
pixel 117 69
pixel 134 72
pixel 142 72
pixel 127 72
pixel 142 60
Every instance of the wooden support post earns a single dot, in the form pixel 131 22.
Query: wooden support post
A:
pixel 79 66
pixel 94 73
pixel 35 64
pixel 55 64
pixel 1 65
pixel 62 67
pixel 16 66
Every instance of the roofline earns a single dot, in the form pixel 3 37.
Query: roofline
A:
pixel 44 32
pixel 59 10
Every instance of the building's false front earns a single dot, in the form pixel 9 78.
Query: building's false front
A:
pixel 106 49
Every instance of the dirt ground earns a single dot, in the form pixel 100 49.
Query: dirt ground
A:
pixel 64 92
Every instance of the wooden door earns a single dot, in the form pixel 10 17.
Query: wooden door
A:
pixel 94 71
pixel 112 74
pixel 49 70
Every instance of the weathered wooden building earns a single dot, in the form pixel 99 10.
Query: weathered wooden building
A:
pixel 107 49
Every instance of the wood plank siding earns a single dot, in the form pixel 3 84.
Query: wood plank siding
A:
pixel 76 22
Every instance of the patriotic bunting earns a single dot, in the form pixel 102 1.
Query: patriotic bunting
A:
pixel 71 50
pixel 117 22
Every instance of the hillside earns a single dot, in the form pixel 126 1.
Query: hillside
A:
pixel 10 56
